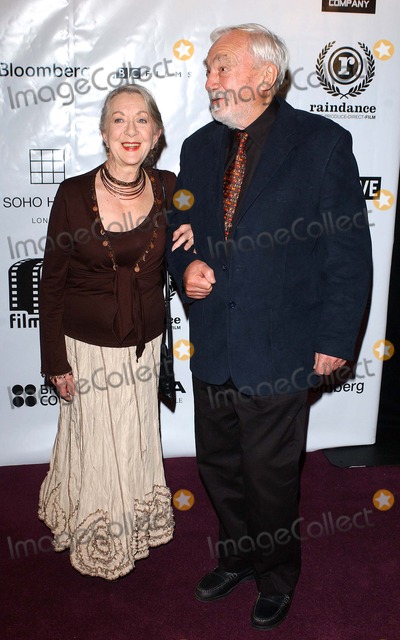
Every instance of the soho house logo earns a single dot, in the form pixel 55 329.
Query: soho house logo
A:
pixel 350 72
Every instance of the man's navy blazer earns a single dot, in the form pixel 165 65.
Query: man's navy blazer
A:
pixel 294 277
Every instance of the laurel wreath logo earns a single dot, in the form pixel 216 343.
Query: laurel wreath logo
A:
pixel 333 89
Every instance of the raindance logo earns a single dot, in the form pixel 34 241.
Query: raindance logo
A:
pixel 345 72
pixel 345 67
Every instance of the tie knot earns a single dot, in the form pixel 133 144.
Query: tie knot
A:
pixel 242 138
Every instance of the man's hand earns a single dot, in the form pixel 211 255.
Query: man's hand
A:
pixel 198 280
pixel 324 365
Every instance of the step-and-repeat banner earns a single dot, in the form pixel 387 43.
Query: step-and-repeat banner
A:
pixel 59 58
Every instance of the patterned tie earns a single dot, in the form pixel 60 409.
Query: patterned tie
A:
pixel 233 180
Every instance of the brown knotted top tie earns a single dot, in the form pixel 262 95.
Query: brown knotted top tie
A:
pixel 233 180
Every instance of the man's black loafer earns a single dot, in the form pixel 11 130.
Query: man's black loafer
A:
pixel 218 583
pixel 269 611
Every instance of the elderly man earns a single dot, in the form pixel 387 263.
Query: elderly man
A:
pixel 276 300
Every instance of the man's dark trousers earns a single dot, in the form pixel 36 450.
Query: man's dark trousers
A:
pixel 248 451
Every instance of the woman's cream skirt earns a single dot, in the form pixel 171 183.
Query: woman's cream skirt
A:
pixel 104 496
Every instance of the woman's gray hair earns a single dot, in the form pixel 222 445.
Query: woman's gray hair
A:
pixel 265 46
pixel 153 112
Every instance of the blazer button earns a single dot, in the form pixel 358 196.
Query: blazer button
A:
pixel 224 267
pixel 231 304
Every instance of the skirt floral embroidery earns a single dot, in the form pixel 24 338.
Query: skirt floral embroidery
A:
pixel 104 496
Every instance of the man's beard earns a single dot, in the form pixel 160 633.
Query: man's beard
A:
pixel 224 119
pixel 227 119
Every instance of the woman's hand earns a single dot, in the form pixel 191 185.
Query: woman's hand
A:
pixel 65 385
pixel 183 235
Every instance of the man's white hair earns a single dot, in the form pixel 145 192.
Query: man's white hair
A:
pixel 265 46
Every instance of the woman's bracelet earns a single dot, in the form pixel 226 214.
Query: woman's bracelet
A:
pixel 54 379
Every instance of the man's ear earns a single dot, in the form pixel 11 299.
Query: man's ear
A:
pixel 270 75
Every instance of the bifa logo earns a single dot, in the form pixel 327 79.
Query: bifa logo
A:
pixel 345 72
pixel 29 396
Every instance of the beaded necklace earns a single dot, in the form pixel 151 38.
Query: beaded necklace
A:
pixel 106 240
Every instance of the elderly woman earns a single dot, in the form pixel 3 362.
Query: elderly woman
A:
pixel 101 320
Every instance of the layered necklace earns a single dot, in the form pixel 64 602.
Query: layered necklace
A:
pixel 138 266
pixel 120 189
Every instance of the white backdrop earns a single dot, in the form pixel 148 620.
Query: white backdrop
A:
pixel 58 59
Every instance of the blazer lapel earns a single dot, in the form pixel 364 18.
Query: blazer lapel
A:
pixel 215 161
pixel 280 142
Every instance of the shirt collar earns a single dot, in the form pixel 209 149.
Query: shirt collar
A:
pixel 258 130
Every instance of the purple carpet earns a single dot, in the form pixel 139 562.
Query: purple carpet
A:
pixel 348 590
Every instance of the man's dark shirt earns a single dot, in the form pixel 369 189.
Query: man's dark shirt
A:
pixel 258 133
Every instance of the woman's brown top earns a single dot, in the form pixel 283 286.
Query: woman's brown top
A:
pixel 101 288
